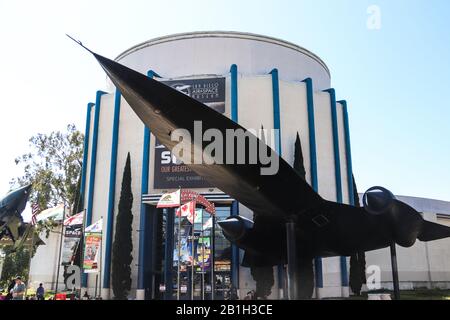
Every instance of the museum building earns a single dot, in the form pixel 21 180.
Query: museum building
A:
pixel 256 81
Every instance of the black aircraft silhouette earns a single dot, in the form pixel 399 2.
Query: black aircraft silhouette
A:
pixel 322 228
pixel 11 221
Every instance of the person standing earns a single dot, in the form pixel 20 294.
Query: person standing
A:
pixel 10 287
pixel 18 292
pixel 40 292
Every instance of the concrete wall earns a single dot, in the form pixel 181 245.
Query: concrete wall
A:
pixel 44 263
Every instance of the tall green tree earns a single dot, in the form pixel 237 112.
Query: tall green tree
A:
pixel 53 166
pixel 15 264
pixel 298 158
pixel 357 260
pixel 305 270
pixel 123 244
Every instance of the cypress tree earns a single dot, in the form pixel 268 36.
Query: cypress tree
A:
pixel 305 270
pixel 358 259
pixel 298 158
pixel 123 245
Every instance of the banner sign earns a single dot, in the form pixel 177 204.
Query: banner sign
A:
pixel 72 236
pixel 91 252
pixel 95 227
pixel 169 172
pixel 56 213
pixel 75 220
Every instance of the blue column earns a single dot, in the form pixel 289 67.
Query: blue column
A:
pixel 144 210
pixel 348 153
pixel 337 170
pixel 168 252
pixel 276 109
pixel 93 164
pixel 235 204
pixel 277 127
pixel 112 192
pixel 87 131
pixel 234 93
pixel 235 251
pixel 313 163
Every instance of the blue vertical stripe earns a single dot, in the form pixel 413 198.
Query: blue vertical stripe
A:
pixel 348 154
pixel 234 251
pixel 338 177
pixel 313 162
pixel 337 158
pixel 144 212
pixel 112 191
pixel 87 131
pixel 276 109
pixel 93 165
pixel 277 127
pixel 235 204
pixel 168 252
pixel 234 93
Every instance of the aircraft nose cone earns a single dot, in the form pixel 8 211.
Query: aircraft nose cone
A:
pixel 233 228
pixel 27 189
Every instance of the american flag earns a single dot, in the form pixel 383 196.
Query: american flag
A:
pixel 34 212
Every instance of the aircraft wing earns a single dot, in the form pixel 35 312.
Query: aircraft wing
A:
pixel 164 109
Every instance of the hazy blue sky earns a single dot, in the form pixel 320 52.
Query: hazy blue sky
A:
pixel 396 79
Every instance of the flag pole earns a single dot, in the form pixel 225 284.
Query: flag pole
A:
pixel 101 260
pixel 192 251
pixel 203 262
pixel 60 248
pixel 179 250
pixel 212 254
pixel 29 261
pixel 82 240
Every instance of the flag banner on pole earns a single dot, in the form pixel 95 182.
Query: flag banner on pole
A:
pixel 196 216
pixel 34 213
pixel 72 236
pixel 95 228
pixel 186 209
pixel 189 195
pixel 91 252
pixel 169 200
pixel 56 213
pixel 75 220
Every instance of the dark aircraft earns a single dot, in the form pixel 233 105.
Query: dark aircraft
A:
pixel 322 228
pixel 11 208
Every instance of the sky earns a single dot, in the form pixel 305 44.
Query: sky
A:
pixel 394 72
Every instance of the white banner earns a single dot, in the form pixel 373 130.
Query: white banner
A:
pixel 169 200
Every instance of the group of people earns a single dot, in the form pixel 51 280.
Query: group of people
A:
pixel 17 289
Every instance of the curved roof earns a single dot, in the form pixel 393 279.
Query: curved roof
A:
pixel 223 34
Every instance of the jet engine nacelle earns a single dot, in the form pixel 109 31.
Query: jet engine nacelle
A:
pixel 235 228
pixel 378 200
pixel 404 222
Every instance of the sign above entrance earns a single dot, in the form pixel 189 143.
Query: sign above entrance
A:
pixel 171 173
